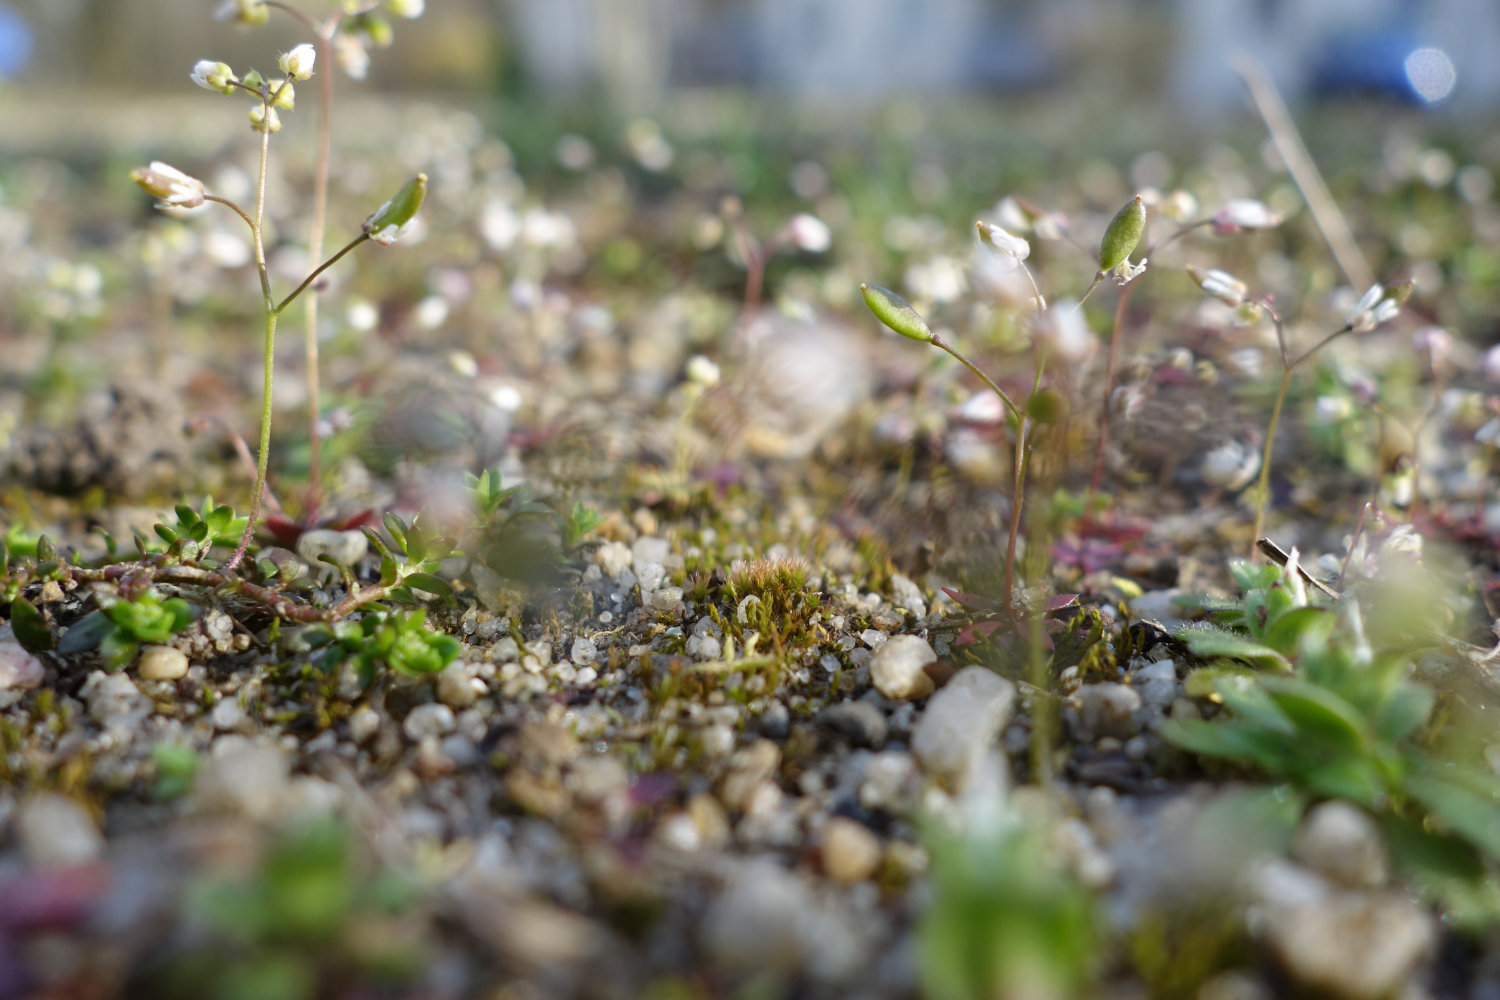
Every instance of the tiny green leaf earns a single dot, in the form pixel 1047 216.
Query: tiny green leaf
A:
pixel 896 313
pixel 30 626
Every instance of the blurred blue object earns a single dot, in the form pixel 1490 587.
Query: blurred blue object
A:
pixel 1392 64
pixel 15 42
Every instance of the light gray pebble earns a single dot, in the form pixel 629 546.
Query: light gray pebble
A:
pixel 584 652
pixel 456 685
pixel 344 548
pixel 613 558
pixel 114 702
pixel 859 722
pixel 1107 710
pixel 243 778
pixel 53 829
pixel 650 549
pixel 960 723
pixel 1156 683
pixel 430 720
pixel 1341 841
pixel 716 740
pixel 19 670
pixel 505 650
pixel 897 667
pixel 229 716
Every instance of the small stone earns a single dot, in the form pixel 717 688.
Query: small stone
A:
pixel 859 722
pixel 1107 710
pixel 53 829
pixel 584 652
pixel 229 716
pixel 960 724
pixel 775 723
pixel 650 549
pixel 850 852
pixel 908 595
pixel 651 575
pixel 717 741
pixel 897 668
pixel 430 720
pixel 546 744
pixel 613 559
pixel 243 778
pixel 505 650
pixel 1160 606
pixel 1156 683
pixel 1341 841
pixel 593 779
pixel 755 924
pixel 19 670
pixel 747 768
pixel 666 600
pixel 890 781
pixel 343 548
pixel 161 663
pixel 1352 945
pixel 363 724
pixel 455 686
pixel 114 701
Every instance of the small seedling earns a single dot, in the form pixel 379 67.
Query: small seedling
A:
pixel 399 640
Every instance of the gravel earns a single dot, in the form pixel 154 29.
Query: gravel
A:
pixel 898 667
pixel 960 724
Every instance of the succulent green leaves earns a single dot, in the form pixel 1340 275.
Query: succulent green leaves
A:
pixel 896 313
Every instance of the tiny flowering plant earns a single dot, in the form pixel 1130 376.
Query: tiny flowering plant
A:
pixel 175 189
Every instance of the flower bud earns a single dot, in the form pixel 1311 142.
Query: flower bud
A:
pixel 175 188
pixel 282 94
pixel 1243 213
pixel 1220 284
pixel 298 63
pixel 896 313
pixel 1006 245
pixel 263 119
pixel 374 27
pixel 392 220
pixel 1124 232
pixel 409 9
pixel 702 372
pixel 254 80
pixel 1047 405
pixel 245 13
pixel 211 75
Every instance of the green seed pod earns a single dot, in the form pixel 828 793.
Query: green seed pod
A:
pixel 1124 232
pixel 1047 406
pixel 390 221
pixel 896 313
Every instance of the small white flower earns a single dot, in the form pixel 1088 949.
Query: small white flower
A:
pixel 1375 307
pixel 298 63
pixel 1490 433
pixel 809 233
pixel 431 312
pixel 1127 272
pixel 702 372
pixel 211 75
pixel 408 9
pixel 1179 206
pixel 175 188
pixel 265 120
pixel 1243 213
pixel 350 53
pixel 1063 334
pixel 1008 246
pixel 1220 284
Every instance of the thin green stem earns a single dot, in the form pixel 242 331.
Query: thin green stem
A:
pixel 262 459
pixel 1041 300
pixel 1263 485
pixel 1098 277
pixel 1167 241
pixel 315 250
pixel 237 210
pixel 320 269
pixel 1010 404
pixel 1116 335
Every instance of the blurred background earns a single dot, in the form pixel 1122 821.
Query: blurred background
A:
pixel 635 53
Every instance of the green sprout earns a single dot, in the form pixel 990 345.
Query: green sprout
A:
pixel 399 640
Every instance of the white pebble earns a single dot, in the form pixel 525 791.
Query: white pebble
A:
pixel 161 663
pixel 897 667
pixel 583 652
pixel 54 829
pixel 428 720
pixel 19 670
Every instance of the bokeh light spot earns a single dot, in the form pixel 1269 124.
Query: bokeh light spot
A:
pixel 1432 74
